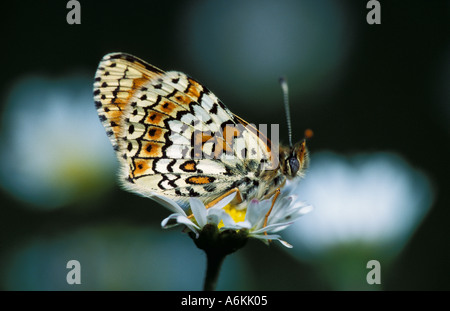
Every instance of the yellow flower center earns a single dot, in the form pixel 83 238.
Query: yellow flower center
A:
pixel 237 215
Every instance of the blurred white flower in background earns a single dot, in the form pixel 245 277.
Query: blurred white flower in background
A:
pixel 369 198
pixel 54 150
pixel 367 206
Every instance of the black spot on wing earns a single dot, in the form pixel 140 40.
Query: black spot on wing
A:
pixel 209 188
pixel 192 192
pixel 170 165
pixel 213 109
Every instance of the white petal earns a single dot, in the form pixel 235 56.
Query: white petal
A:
pixel 282 206
pixel 278 228
pixel 290 216
pixel 306 209
pixel 214 217
pixel 224 202
pixel 228 221
pixel 177 219
pixel 293 215
pixel 299 204
pixel 232 227
pixel 265 237
pixel 199 211
pixel 244 224
pixel 237 226
pixel 259 213
pixel 273 227
pixel 284 243
pixel 167 203
pixel 187 222
pixel 252 214
pixel 170 221
pixel 275 237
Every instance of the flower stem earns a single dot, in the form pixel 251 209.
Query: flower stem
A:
pixel 217 245
pixel 214 263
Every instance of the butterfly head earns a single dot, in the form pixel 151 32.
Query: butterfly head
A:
pixel 295 160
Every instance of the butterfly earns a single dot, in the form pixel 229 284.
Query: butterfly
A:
pixel 174 137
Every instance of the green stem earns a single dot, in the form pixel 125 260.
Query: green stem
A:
pixel 214 263
pixel 217 245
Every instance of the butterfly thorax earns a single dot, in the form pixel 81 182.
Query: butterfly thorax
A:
pixel 291 163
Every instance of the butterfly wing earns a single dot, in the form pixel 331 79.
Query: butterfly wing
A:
pixel 119 76
pixel 172 135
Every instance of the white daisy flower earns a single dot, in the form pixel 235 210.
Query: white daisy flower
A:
pixel 224 216
pixel 50 128
pixel 376 200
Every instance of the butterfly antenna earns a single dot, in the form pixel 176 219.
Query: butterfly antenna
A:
pixel 284 87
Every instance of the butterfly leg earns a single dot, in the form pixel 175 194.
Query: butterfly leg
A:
pixel 215 201
pixel 277 193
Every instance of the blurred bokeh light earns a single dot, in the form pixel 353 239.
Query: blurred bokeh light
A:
pixel 54 150
pixel 369 204
pixel 367 198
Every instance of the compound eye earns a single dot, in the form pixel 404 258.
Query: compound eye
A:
pixel 294 165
